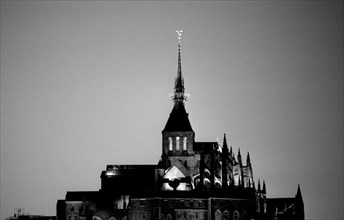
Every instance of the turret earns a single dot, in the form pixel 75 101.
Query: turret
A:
pixel 264 188
pixel 248 160
pixel 299 206
pixel 239 158
pixel 225 158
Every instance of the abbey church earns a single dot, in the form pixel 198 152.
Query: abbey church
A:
pixel 192 180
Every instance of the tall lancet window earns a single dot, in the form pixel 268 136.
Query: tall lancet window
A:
pixel 177 143
pixel 170 144
pixel 184 143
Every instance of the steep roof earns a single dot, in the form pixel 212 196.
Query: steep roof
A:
pixel 178 120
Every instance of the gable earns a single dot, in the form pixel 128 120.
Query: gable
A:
pixel 173 173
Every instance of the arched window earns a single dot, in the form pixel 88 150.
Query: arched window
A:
pixel 226 215
pixel 236 215
pixel 112 218
pixel 177 143
pixel 206 183
pixel 184 142
pixel 170 144
pixel 169 217
pixel 218 215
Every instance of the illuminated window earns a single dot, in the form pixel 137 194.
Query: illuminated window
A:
pixel 184 143
pixel 170 143
pixel 177 143
pixel 218 215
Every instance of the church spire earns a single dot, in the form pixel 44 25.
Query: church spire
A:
pixel 179 81
pixel 178 120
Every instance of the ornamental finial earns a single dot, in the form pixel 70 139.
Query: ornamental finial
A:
pixel 179 35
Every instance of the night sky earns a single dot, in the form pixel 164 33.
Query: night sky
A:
pixel 86 84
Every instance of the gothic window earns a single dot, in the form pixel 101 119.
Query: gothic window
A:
pixel 218 215
pixel 207 183
pixel 218 184
pixel 170 144
pixel 184 143
pixel 226 215
pixel 265 207
pixel 177 143
pixel 236 215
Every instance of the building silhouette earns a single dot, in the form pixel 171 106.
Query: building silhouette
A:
pixel 192 180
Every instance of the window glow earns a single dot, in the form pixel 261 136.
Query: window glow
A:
pixel 184 143
pixel 177 143
pixel 170 142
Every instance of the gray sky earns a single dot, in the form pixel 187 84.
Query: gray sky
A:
pixel 86 84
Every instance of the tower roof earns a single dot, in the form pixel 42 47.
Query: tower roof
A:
pixel 178 120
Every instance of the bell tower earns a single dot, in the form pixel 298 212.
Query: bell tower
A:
pixel 178 136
